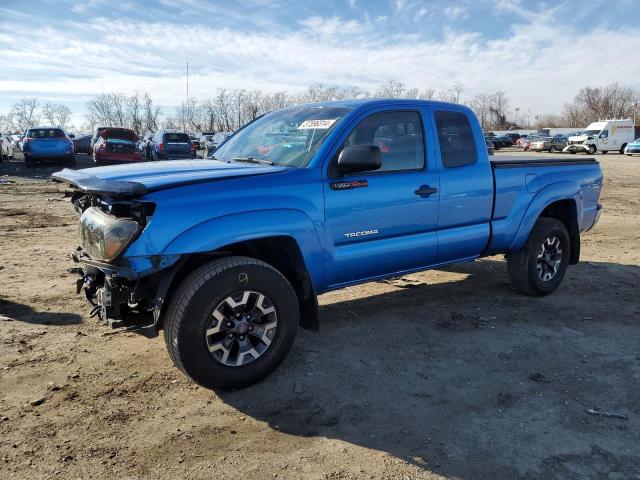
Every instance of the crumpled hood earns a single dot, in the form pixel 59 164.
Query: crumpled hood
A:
pixel 143 177
pixel 577 138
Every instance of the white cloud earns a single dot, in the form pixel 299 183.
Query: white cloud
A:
pixel 455 12
pixel 539 65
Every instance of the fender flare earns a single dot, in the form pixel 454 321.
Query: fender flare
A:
pixel 216 233
pixel 557 191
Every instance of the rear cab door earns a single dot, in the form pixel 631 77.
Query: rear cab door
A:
pixel 382 222
pixel 466 183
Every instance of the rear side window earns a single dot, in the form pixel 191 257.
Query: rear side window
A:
pixel 176 138
pixel 457 146
pixel 399 136
pixel 46 133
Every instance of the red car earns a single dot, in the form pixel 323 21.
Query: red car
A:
pixel 116 145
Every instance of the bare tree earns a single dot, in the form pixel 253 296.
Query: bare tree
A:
pixel 481 105
pixel 595 103
pixel 24 114
pixel 498 109
pixel 391 89
pixel 150 114
pixel 456 90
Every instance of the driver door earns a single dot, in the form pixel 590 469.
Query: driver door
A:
pixel 382 222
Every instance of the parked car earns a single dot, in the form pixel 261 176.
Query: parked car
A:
pixel 204 138
pixel 96 133
pixel 47 143
pixel 549 144
pixel 228 256
pixel 513 136
pixel 15 140
pixel 633 148
pixel 116 145
pixel 216 141
pixel 6 147
pixel 195 139
pixel 525 143
pixel 171 145
pixel 82 144
pixel 502 141
pixel 490 147
pixel 144 145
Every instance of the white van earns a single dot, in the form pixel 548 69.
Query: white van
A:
pixel 605 136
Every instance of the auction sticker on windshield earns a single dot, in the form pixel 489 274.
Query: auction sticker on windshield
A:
pixel 319 124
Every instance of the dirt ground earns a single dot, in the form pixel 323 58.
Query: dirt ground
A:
pixel 442 374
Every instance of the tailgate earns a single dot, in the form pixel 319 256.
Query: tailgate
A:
pixel 179 143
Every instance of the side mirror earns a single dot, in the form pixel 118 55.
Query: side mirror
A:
pixel 71 135
pixel 359 158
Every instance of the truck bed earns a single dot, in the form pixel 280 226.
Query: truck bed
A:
pixel 522 186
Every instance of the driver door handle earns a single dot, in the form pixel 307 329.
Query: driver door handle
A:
pixel 425 191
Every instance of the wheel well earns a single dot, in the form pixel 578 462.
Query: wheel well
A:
pixel 281 252
pixel 567 213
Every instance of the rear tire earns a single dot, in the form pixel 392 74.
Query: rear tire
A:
pixel 624 145
pixel 211 299
pixel 539 267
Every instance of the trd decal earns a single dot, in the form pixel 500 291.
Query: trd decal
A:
pixel 349 185
pixel 363 233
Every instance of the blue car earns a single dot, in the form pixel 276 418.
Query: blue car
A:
pixel 47 143
pixel 633 148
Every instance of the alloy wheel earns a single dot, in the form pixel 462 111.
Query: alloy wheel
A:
pixel 549 259
pixel 241 328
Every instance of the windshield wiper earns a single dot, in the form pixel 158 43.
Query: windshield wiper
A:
pixel 253 160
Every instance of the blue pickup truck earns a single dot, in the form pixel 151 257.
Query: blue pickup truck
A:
pixel 227 254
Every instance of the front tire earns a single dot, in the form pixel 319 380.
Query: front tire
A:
pixel 231 322
pixel 539 267
pixel 552 149
pixel 592 149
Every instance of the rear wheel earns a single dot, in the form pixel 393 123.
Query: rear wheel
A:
pixel 231 322
pixel 540 266
pixel 624 145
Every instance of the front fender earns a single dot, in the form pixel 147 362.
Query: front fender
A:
pixel 565 190
pixel 218 232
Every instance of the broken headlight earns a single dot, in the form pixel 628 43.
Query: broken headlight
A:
pixel 102 236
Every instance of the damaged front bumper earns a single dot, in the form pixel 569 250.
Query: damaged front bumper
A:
pixel 575 148
pixel 129 294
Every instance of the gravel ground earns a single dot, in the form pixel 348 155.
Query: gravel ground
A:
pixel 442 374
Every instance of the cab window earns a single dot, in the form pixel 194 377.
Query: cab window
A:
pixel 457 146
pixel 604 134
pixel 399 136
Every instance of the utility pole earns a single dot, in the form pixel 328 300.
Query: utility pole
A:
pixel 188 106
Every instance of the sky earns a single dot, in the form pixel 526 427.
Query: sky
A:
pixel 539 52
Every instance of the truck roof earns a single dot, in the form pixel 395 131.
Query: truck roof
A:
pixel 373 102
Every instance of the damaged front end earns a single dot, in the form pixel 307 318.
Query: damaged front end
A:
pixel 124 291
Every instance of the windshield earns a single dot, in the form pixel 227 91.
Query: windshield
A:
pixel 590 132
pixel 46 133
pixel 287 137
